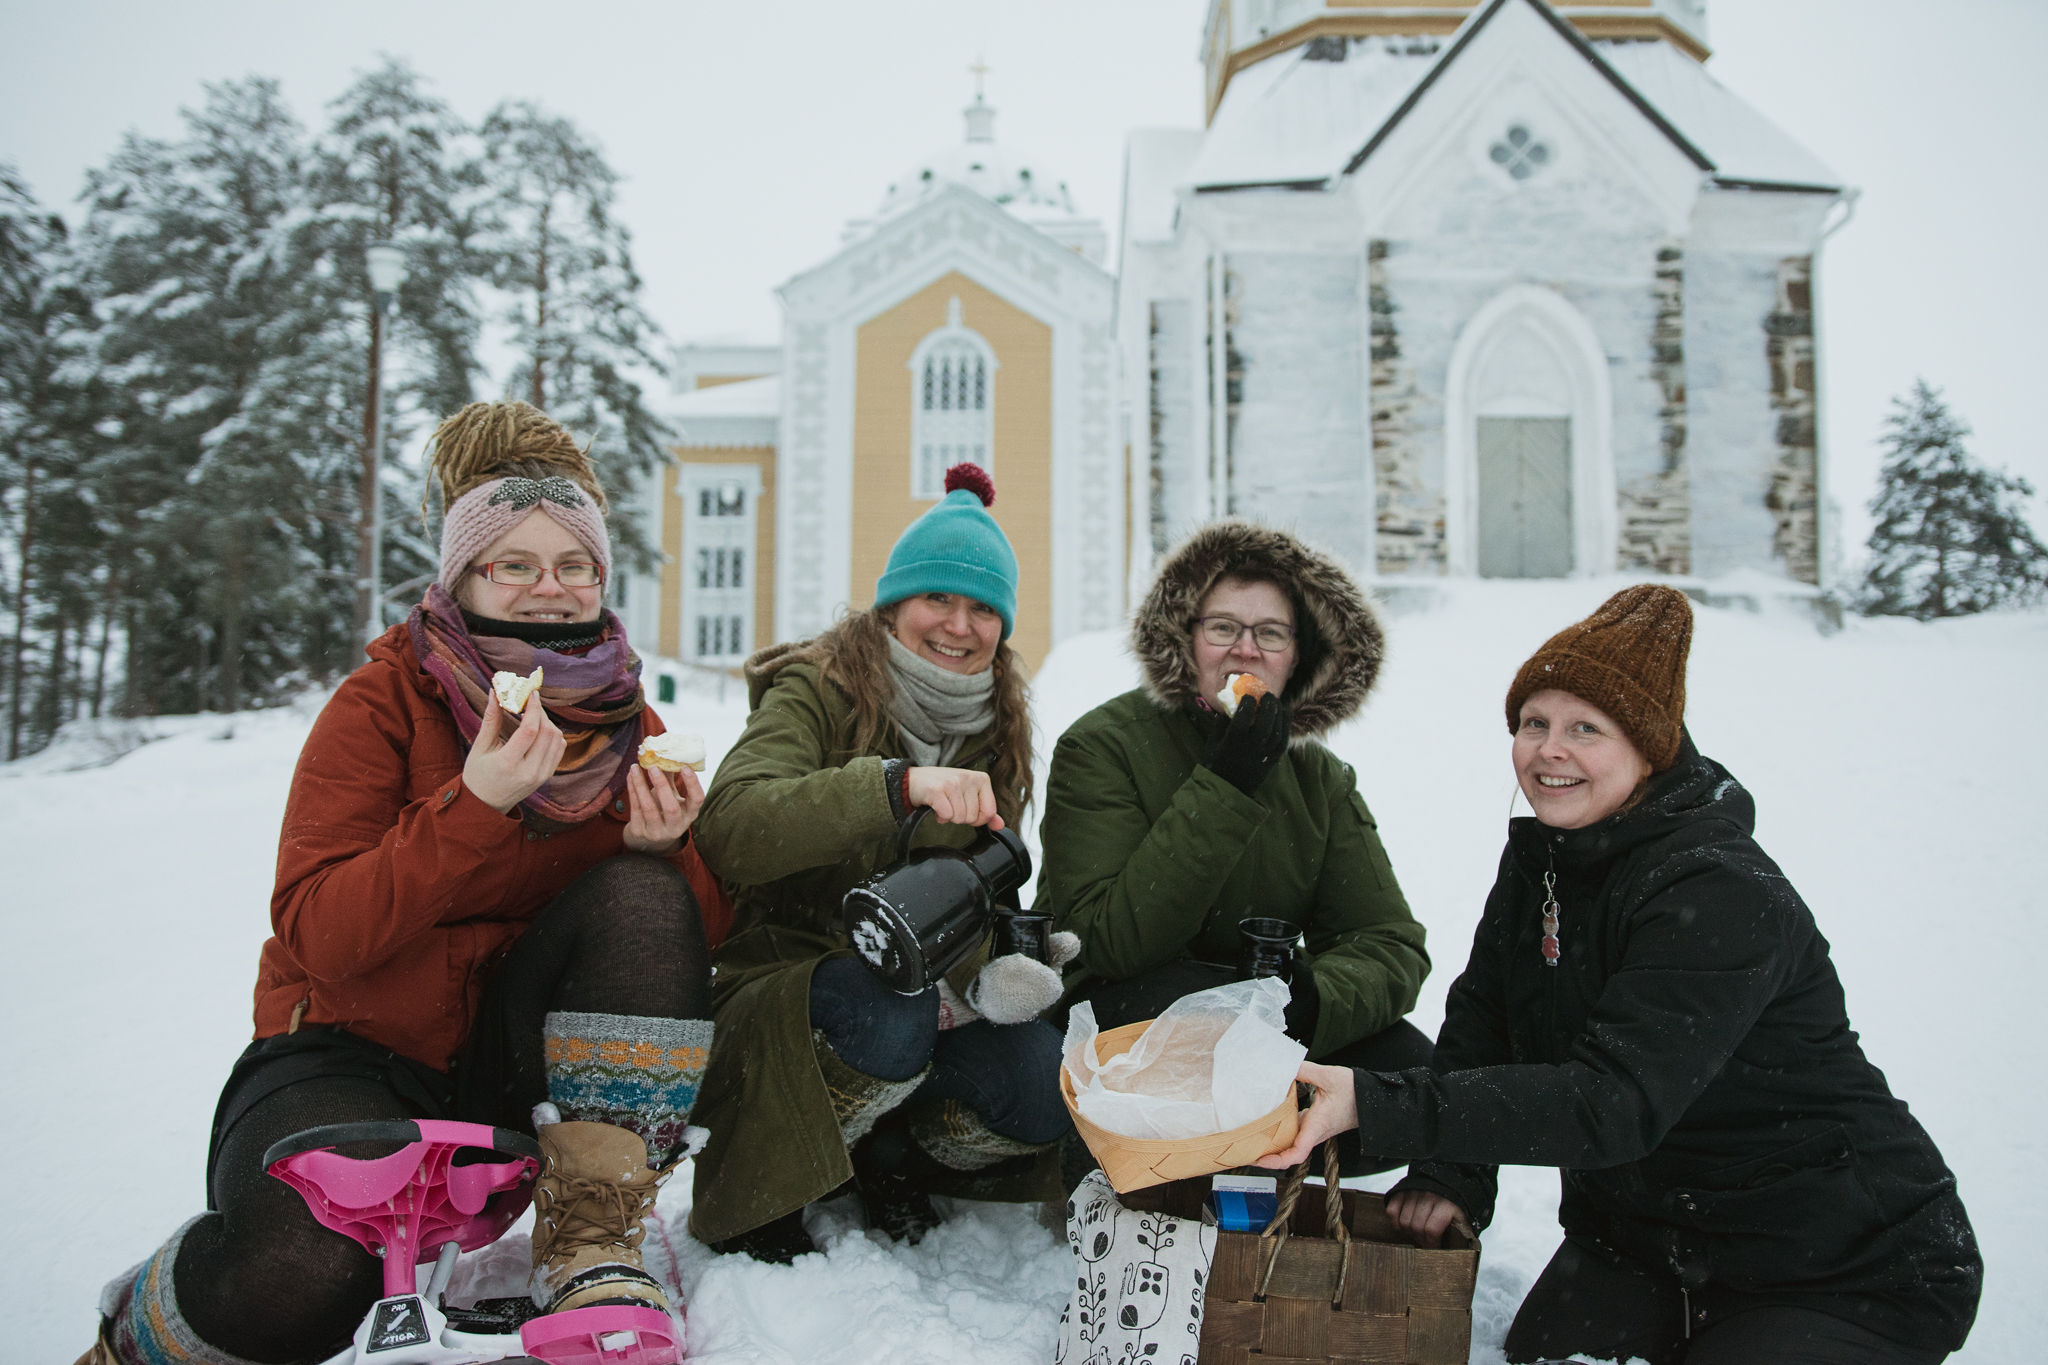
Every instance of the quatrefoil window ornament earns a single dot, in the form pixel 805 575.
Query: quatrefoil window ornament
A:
pixel 1519 153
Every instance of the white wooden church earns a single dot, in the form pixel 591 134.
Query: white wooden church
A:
pixel 1501 288
pixel 1511 289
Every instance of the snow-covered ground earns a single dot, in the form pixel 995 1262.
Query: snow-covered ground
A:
pixel 1897 770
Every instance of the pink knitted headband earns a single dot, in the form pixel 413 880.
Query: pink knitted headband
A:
pixel 489 510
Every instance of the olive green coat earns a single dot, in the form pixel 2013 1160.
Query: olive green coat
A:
pixel 1151 857
pixel 792 821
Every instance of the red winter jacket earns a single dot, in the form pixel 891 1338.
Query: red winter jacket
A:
pixel 396 885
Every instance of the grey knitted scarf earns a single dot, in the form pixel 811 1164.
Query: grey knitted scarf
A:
pixel 937 711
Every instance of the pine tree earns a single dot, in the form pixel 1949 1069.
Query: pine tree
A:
pixel 566 266
pixel 1952 538
pixel 46 508
pixel 189 251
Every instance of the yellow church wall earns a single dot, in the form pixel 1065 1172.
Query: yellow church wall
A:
pixel 670 636
pixel 1022 454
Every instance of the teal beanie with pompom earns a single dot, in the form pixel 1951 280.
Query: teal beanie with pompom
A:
pixel 956 547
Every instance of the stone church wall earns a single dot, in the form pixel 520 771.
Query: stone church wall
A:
pixel 1298 444
pixel 1654 511
pixel 1409 506
pixel 1794 498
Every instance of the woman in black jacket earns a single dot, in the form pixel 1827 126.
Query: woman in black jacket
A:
pixel 1650 1007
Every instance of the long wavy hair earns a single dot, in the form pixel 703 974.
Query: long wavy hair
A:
pixel 854 654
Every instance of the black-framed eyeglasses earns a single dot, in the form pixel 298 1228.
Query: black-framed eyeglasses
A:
pixel 522 573
pixel 1225 631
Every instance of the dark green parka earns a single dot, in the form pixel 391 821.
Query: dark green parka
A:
pixel 1150 857
pixel 1690 1066
pixel 793 819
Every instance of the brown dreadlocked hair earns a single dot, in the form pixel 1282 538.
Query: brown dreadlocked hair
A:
pixel 854 654
pixel 487 441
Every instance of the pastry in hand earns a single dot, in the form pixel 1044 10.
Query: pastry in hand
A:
pixel 1238 687
pixel 672 752
pixel 513 690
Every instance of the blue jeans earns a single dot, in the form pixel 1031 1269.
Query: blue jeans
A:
pixel 1008 1074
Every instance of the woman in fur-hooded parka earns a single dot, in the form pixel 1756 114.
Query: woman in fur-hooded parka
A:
pixel 1152 858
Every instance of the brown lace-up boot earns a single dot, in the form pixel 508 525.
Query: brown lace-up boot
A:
pixel 589 1210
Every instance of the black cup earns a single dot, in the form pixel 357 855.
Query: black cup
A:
pixel 1266 947
pixel 1023 931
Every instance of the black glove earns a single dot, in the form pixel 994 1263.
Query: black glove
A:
pixel 1305 1002
pixel 1251 743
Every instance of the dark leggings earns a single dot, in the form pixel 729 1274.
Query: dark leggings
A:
pixel 258 1277
pixel 1008 1074
pixel 1590 1303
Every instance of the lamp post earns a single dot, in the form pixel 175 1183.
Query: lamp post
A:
pixel 386 265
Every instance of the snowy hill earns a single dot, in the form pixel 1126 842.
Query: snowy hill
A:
pixel 1897 771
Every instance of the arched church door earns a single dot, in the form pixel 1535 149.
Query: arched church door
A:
pixel 1528 442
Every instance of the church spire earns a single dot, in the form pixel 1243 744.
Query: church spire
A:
pixel 981 115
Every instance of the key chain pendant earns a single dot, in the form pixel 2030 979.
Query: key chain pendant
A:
pixel 1550 909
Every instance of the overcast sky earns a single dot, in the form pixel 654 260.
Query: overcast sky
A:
pixel 747 132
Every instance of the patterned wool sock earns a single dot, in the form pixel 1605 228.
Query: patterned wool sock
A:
pixel 955 1136
pixel 858 1099
pixel 634 1071
pixel 143 1324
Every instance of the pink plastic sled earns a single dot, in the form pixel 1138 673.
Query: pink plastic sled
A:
pixel 449 1187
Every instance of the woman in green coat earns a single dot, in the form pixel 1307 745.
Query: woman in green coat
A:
pixel 1167 822
pixel 821 1073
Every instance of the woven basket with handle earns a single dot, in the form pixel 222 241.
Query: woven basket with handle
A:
pixel 1328 1282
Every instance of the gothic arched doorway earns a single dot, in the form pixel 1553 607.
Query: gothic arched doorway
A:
pixel 1529 474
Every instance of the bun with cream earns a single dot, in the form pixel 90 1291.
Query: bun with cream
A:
pixel 1236 688
pixel 513 690
pixel 672 752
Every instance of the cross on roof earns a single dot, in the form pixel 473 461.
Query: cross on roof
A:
pixel 980 69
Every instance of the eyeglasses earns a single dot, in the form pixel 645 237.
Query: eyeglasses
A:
pixel 520 573
pixel 1224 631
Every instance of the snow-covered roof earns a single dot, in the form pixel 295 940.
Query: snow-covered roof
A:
pixel 1295 119
pixel 1020 183
pixel 1744 146
pixel 1303 118
pixel 746 398
pixel 741 413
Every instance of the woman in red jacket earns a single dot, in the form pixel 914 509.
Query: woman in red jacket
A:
pixel 478 916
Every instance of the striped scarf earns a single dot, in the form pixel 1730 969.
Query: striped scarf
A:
pixel 594 699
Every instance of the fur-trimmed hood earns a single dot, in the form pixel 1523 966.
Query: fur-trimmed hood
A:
pixel 1340 651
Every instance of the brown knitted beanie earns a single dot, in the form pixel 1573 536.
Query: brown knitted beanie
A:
pixel 1628 659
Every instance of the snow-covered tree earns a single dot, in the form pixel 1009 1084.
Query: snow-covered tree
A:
pixel 51 570
pixel 1952 537
pixel 189 249
pixel 566 266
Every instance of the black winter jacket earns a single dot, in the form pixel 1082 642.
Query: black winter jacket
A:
pixel 1690 1067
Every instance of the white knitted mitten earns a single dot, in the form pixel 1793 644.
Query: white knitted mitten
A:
pixel 1014 989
